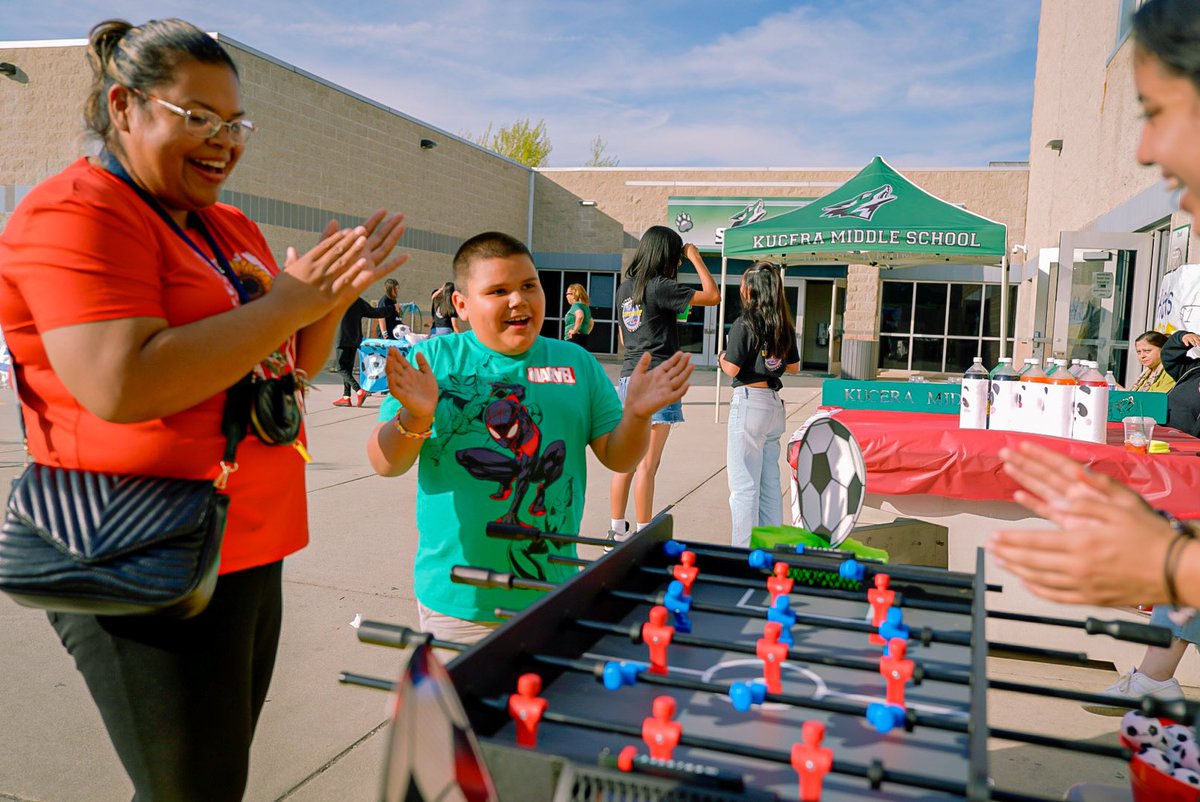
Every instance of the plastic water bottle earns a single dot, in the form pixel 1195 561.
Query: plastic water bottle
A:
pixel 1002 402
pixel 1110 380
pixel 1060 400
pixel 1076 367
pixel 1031 398
pixel 972 412
pixel 1090 413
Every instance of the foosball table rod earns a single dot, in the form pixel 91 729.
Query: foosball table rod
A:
pixel 1130 631
pixel 922 635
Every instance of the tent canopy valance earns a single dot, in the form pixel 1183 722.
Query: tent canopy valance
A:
pixel 877 217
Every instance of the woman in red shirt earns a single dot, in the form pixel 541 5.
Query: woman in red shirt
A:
pixel 131 300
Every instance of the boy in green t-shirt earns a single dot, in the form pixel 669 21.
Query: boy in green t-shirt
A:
pixel 500 418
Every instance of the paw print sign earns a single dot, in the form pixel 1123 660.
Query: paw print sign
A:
pixel 683 222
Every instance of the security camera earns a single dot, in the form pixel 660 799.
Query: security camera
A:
pixel 1020 248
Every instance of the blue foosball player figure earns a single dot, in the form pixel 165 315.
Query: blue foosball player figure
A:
pixel 782 612
pixel 679 605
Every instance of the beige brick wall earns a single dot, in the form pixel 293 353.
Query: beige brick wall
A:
pixel 863 289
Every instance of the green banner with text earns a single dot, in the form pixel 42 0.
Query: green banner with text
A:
pixel 943 398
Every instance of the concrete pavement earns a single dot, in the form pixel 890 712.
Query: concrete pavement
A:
pixel 319 741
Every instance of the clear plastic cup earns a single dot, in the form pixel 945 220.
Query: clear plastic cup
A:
pixel 1138 431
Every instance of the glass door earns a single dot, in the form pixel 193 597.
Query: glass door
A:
pixel 835 327
pixel 1101 298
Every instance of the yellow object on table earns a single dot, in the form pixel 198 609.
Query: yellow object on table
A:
pixel 1158 447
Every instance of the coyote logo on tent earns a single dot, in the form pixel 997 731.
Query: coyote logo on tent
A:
pixel 863 206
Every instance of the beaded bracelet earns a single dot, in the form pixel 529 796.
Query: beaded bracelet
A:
pixel 1183 536
pixel 425 435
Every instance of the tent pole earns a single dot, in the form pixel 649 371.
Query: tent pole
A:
pixel 1003 304
pixel 720 337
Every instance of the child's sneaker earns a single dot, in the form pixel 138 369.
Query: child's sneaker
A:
pixel 616 539
pixel 361 396
pixel 1133 684
pixel 344 401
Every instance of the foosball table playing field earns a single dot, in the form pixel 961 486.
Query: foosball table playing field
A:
pixel 675 671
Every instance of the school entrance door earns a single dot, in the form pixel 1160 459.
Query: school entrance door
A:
pixel 818 305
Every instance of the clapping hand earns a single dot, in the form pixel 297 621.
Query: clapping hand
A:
pixel 1112 545
pixel 414 386
pixel 650 390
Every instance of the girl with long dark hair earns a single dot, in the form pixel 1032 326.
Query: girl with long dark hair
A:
pixel 761 348
pixel 649 303
pixel 444 317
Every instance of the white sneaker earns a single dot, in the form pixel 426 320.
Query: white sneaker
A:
pixel 1133 684
pixel 616 539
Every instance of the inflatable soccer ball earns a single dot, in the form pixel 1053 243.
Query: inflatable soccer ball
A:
pixel 828 478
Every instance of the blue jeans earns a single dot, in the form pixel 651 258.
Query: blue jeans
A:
pixel 756 423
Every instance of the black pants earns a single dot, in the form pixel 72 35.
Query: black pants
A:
pixel 180 699
pixel 345 364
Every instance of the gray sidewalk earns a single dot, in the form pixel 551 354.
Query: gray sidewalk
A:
pixel 319 741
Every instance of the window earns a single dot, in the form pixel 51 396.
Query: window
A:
pixel 602 290
pixel 940 327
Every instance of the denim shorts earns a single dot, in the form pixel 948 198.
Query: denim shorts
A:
pixel 671 413
pixel 1189 632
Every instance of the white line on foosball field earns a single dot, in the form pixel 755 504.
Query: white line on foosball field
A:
pixel 744 604
pixel 822 690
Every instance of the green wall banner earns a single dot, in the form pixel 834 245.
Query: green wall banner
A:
pixel 703 220
pixel 943 398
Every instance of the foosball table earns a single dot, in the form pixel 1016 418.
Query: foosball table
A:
pixel 669 670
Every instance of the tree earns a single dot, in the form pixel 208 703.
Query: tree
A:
pixel 522 142
pixel 598 158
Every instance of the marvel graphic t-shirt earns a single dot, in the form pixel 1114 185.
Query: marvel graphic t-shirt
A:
pixel 651 326
pixel 756 365
pixel 508 444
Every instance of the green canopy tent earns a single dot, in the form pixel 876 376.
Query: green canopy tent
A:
pixel 878 217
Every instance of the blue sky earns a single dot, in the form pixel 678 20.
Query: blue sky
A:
pixel 736 83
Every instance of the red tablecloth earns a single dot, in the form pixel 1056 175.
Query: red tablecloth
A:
pixel 912 452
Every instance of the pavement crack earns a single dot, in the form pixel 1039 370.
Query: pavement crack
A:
pixel 332 761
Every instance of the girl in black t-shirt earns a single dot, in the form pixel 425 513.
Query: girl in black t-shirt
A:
pixel 761 348
pixel 443 315
pixel 649 303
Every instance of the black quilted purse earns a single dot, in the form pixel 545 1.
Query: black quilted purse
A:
pixel 110 544
pixel 80 541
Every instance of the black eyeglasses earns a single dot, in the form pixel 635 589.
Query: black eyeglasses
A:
pixel 205 124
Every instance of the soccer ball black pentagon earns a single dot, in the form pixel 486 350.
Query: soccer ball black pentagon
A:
pixel 830 478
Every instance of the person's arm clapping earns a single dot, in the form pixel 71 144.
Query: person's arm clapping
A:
pixel 1112 548
pixel 391 451
pixel 648 391
pixel 382 233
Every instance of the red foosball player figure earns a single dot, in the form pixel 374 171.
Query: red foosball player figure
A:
pixel 811 760
pixel 657 634
pixel 686 572
pixel 896 670
pixel 772 653
pixel 526 709
pixel 880 600
pixel 780 584
pixel 660 732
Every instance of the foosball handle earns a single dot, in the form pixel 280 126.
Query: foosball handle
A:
pixel 390 635
pixel 480 577
pixel 683 771
pixel 1148 634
